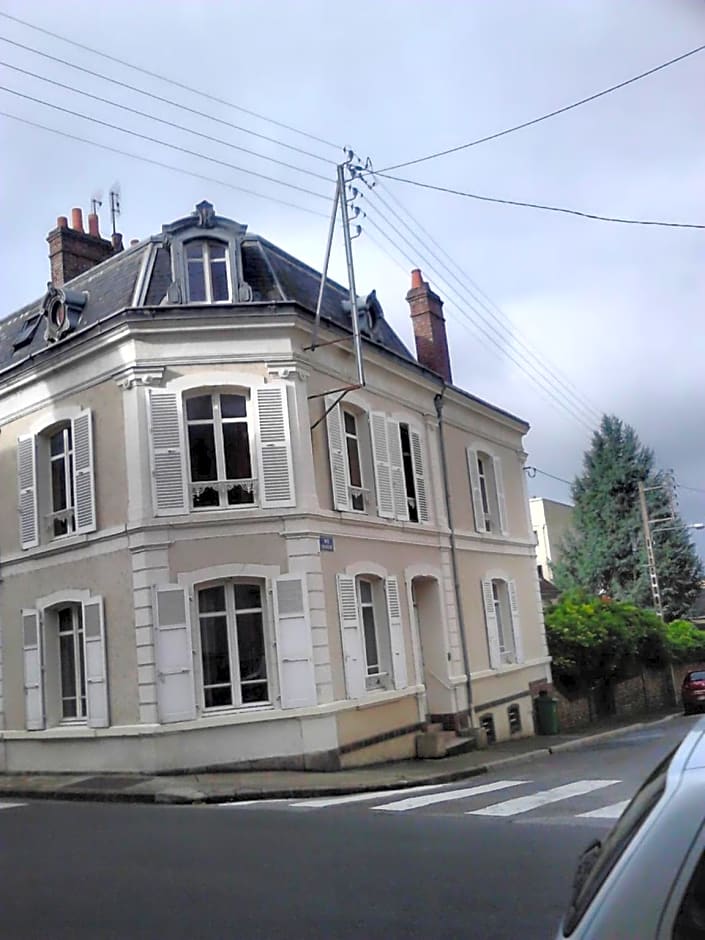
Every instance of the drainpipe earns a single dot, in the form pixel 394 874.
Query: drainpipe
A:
pixel 438 402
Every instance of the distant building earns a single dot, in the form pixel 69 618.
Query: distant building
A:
pixel 550 520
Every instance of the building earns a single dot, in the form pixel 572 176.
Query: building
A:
pixel 215 557
pixel 551 521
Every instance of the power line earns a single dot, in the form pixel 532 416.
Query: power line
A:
pixel 460 304
pixel 533 361
pixel 500 316
pixel 165 166
pixel 536 205
pixel 550 114
pixel 532 471
pixel 152 117
pixel 162 143
pixel 170 81
pixel 169 101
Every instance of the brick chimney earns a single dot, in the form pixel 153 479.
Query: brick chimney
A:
pixel 73 251
pixel 429 327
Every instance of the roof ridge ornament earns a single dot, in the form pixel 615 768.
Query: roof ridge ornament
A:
pixel 206 214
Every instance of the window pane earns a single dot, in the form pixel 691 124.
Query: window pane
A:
pixel 68 666
pixel 211 600
pixel 219 279
pixel 371 655
pixel 56 443
pixel 354 462
pixel 248 597
pixel 196 274
pixel 233 406
pixel 257 692
pixel 199 408
pixel 240 494
pixel 350 424
pixel 218 697
pixel 250 647
pixel 58 484
pixel 214 650
pixel 202 452
pixel 207 497
pixel 236 443
pixel 365 592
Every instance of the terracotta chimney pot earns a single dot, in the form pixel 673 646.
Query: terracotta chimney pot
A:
pixel 77 220
pixel 416 279
pixel 93 225
pixel 62 222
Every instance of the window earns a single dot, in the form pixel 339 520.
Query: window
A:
pixel 208 275
pixel 408 468
pixel 500 600
pixel 514 719
pixel 72 662
pixel 690 922
pixel 219 451
pixel 369 628
pixel 61 473
pixel 352 451
pixel 487 491
pixel 487 724
pixel 233 650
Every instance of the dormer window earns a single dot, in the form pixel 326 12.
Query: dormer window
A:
pixel 208 275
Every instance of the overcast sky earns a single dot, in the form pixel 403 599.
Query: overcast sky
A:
pixel 614 313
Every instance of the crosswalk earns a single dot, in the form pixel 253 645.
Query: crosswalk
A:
pixel 566 800
pixel 4 805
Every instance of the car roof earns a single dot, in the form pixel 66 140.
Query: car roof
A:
pixel 691 753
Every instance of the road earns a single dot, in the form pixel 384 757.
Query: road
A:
pixel 489 858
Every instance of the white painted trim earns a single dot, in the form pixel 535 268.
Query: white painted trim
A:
pixel 56 415
pixel 144 275
pixel 209 379
pixel 64 596
pixel 510 667
pixel 365 567
pixel 497 574
pixel 202 576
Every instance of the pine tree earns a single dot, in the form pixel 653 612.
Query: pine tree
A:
pixel 605 552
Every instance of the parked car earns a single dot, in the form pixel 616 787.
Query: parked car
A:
pixel 647 879
pixel 693 691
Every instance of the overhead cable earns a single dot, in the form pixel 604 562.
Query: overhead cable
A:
pixel 536 205
pixel 170 81
pixel 165 166
pixel 163 100
pixel 550 114
pixel 152 117
pixel 162 143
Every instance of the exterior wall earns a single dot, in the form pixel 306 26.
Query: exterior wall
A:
pixel 551 521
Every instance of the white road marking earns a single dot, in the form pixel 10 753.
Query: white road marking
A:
pixel 319 803
pixel 235 803
pixel 413 802
pixel 613 811
pixel 11 805
pixel 525 803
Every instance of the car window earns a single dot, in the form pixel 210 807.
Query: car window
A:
pixel 690 922
pixel 696 676
pixel 599 862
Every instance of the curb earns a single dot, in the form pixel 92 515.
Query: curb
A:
pixel 196 798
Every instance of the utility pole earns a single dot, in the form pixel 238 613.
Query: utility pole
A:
pixel 651 560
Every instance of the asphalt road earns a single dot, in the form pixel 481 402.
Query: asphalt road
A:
pixel 441 862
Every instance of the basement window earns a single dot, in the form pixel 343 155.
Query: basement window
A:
pixel 514 717
pixel 487 724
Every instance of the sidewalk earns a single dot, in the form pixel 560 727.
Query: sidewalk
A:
pixel 282 784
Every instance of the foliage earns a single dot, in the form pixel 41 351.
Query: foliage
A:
pixel 594 638
pixel 685 642
pixel 605 550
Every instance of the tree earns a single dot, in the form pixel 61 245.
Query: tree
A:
pixel 605 552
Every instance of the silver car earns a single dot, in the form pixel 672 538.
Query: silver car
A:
pixel 646 881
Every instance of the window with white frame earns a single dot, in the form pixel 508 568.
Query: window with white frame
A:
pixel 207 271
pixel 374 654
pixel 220 448
pixel 500 599
pixel 233 648
pixel 370 445
pixel 56 482
pixel 487 492
pixel 72 662
pixel 218 434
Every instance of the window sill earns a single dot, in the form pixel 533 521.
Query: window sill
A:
pixel 226 710
pixel 505 669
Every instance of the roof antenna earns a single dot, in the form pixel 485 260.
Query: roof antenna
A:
pixel 114 206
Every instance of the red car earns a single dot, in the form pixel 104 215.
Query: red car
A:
pixel 693 692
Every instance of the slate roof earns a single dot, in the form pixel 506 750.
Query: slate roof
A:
pixel 273 274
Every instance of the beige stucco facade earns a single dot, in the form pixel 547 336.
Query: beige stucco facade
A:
pixel 551 521
pixel 423 640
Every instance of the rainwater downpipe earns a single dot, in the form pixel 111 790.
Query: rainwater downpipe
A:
pixel 438 402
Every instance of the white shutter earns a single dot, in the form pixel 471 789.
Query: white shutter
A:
pixel 174 655
pixel 499 487
pixel 491 621
pixel 477 509
pixel 27 480
pixel 383 470
pixel 396 462
pixel 297 680
pixel 96 668
pixel 396 633
pixel 33 678
pixel 516 624
pixel 83 474
pixel 276 471
pixel 419 475
pixel 166 436
pixel 339 470
pixel 351 633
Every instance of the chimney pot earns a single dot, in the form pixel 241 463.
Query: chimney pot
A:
pixel 116 239
pixel 416 279
pixel 77 220
pixel 62 222
pixel 133 242
pixel 93 225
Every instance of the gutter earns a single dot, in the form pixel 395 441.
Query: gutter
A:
pixel 438 402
